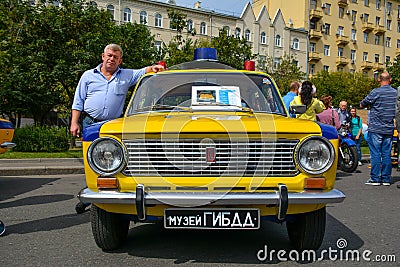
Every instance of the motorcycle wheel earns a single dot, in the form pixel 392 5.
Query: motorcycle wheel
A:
pixel 349 162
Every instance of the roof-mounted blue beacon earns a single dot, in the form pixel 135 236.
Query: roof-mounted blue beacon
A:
pixel 205 53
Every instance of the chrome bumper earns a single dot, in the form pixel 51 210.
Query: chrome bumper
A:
pixel 7 145
pixel 211 198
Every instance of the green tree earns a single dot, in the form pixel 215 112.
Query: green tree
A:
pixel 285 73
pixel 394 70
pixel 343 86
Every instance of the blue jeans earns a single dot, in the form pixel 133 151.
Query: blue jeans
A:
pixel 380 146
pixel 358 146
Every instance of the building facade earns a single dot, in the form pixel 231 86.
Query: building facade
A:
pixel 344 35
pixel 267 36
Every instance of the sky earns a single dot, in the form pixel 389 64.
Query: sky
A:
pixel 230 7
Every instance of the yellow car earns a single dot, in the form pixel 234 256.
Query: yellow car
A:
pixel 221 162
pixel 6 135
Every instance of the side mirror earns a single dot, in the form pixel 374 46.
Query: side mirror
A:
pixel 297 109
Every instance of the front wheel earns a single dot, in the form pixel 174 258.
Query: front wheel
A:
pixel 307 230
pixel 349 162
pixel 109 229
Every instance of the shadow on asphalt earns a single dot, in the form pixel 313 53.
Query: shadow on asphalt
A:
pixel 20 185
pixel 35 200
pixel 223 246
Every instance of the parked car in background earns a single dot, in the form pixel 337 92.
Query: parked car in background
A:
pixel 205 146
pixel 6 135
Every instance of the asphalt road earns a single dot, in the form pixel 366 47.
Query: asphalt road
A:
pixel 43 230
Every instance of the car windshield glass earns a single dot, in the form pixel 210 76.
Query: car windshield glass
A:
pixel 223 91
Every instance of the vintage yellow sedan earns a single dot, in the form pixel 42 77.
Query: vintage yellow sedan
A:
pixel 205 146
pixel 6 135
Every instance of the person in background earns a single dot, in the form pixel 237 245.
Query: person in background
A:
pixel 305 97
pixel 101 92
pixel 382 103
pixel 329 115
pixel 344 114
pixel 356 131
pixel 293 91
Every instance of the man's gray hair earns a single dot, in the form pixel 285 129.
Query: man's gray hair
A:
pixel 113 47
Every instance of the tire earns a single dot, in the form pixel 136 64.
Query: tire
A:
pixel 350 162
pixel 308 230
pixel 81 207
pixel 109 229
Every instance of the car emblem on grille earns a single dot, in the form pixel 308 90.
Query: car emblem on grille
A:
pixel 210 154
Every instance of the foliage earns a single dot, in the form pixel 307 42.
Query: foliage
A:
pixel 179 49
pixel 285 73
pixel 41 139
pixel 46 48
pixel 343 86
pixel 394 70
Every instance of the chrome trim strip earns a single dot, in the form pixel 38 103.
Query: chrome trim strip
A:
pixel 7 145
pixel 212 198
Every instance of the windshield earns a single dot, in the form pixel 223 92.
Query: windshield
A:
pixel 206 91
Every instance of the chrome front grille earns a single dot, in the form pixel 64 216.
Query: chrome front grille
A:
pixel 188 157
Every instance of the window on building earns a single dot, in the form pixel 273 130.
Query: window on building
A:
pixel 227 30
pixel 366 37
pixel 190 25
pixel 339 69
pixel 312 69
pixel 158 20
pixel 143 17
pixel 378 21
pixel 327 50
pixel 388 41
pixel 353 16
pixel 340 30
pixel 278 40
pixel 327 9
pixel 247 35
pixel 366 17
pixel 354 1
pixel 376 75
pixel 313 4
pixel 376 58
pixel 353 56
pixel 398 11
pixel 277 62
pixel 378 4
pixel 313 24
pixel 127 15
pixel 388 24
pixel 340 52
pixel 263 38
pixel 387 59
pixel 327 29
pixel 377 39
pixel 398 26
pixel 237 33
pixel 157 45
pixel 353 34
pixel 352 71
pixel 295 63
pixel 110 9
pixel 389 8
pixel 312 46
pixel 398 43
pixel 296 44
pixel 203 28
pixel 366 2
pixel 326 68
pixel 341 12
pixel 365 56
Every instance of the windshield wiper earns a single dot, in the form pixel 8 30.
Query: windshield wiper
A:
pixel 221 104
pixel 169 107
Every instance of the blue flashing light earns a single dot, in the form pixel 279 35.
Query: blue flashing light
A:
pixel 205 53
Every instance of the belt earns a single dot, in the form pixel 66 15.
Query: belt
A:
pixel 90 117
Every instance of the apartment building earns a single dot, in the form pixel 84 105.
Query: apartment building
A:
pixel 267 36
pixel 344 35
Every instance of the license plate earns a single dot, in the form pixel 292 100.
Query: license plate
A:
pixel 212 218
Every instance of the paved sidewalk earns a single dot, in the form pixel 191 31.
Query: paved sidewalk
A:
pixel 41 166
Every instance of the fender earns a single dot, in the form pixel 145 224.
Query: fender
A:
pixel 92 132
pixel 328 131
pixel 348 141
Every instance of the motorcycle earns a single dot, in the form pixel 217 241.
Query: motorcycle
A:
pixel 348 157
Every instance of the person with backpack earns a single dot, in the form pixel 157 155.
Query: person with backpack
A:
pixel 307 91
pixel 356 131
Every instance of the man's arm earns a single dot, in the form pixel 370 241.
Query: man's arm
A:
pixel 75 129
pixel 397 117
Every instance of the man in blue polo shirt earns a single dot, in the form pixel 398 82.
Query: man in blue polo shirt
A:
pixel 382 101
pixel 293 91
pixel 101 92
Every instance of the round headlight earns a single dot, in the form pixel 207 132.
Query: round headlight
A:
pixel 106 156
pixel 315 155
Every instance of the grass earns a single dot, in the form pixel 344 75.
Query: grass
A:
pixel 72 153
